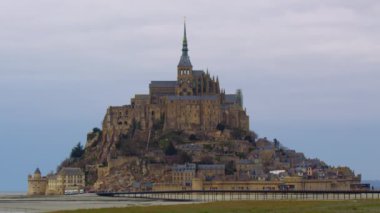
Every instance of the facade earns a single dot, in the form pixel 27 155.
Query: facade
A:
pixel 36 183
pixel 66 181
pixel 288 183
pixel 209 172
pixel 248 170
pixel 183 174
pixel 193 102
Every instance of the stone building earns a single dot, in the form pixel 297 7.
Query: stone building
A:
pixel 36 183
pixel 66 181
pixel 192 102
pixel 183 174
pixel 248 170
pixel 209 172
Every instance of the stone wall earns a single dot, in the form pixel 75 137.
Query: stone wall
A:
pixel 37 185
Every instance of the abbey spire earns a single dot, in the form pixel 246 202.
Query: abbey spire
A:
pixel 185 59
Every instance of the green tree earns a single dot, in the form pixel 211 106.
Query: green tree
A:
pixel 221 127
pixel 230 168
pixel 238 133
pixel 170 149
pixel 206 160
pixel 193 137
pixel 77 151
pixel 96 129
pixel 276 144
pixel 185 158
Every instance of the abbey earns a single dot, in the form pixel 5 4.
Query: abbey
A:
pixel 194 102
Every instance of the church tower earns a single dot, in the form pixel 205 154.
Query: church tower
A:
pixel 185 70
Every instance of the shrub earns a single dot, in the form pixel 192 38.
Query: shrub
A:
pixel 230 168
pixel 96 129
pixel 207 147
pixel 193 137
pixel 206 160
pixel 184 158
pixel 238 133
pixel 221 127
pixel 170 149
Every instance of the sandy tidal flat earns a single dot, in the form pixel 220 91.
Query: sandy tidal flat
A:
pixel 24 204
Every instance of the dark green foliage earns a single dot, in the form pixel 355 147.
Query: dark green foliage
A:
pixel 184 158
pixel 248 138
pixel 173 136
pixel 241 155
pixel 276 144
pixel 135 126
pixel 252 138
pixel 167 146
pixel 170 149
pixel 96 129
pixel 193 137
pixel 207 147
pixel 206 160
pixel 221 127
pixel 230 168
pixel 158 125
pixel 77 151
pixel 163 143
pixel 127 146
pixel 238 133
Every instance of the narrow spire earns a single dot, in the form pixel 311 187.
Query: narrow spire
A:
pixel 185 59
pixel 184 42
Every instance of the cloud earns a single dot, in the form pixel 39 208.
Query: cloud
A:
pixel 301 64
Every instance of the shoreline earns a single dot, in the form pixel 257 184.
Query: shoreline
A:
pixel 27 204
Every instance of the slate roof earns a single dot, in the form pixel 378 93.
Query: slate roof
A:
pixel 193 98
pixel 69 171
pixel 185 61
pixel 184 167
pixel 37 171
pixel 163 84
pixel 231 98
pixel 211 167
pixel 198 73
pixel 245 161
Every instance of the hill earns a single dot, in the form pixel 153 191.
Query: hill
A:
pixel 191 133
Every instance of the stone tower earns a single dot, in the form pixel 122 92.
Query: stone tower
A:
pixel 37 184
pixel 185 70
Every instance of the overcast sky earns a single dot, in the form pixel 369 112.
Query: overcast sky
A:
pixel 309 71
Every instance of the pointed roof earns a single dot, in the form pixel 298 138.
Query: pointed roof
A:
pixel 37 171
pixel 185 59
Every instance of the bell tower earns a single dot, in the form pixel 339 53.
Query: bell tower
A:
pixel 185 70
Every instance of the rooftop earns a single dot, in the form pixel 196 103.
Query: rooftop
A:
pixel 211 167
pixel 70 171
pixel 163 84
pixel 193 98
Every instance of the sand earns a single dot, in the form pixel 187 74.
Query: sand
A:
pixel 23 204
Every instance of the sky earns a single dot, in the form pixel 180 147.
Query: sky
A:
pixel 309 71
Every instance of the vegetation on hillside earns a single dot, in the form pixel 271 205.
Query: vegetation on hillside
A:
pixel 77 151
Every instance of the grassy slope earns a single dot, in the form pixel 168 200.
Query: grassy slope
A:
pixel 255 206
